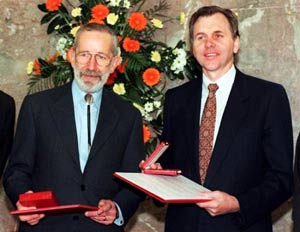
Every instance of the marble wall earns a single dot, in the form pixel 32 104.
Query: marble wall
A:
pixel 270 49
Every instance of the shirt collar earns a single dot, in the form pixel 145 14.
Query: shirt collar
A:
pixel 78 95
pixel 226 81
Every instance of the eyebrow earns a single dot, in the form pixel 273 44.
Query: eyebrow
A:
pixel 96 53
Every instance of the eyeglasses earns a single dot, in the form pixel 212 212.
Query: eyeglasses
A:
pixel 101 59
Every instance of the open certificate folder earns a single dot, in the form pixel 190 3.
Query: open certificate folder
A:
pixel 167 189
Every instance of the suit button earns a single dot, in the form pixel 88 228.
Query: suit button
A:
pixel 82 187
pixel 75 218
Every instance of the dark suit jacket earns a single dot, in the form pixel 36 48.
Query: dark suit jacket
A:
pixel 7 123
pixel 45 157
pixel 296 196
pixel 252 157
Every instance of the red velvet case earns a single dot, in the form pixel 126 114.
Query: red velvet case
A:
pixel 38 199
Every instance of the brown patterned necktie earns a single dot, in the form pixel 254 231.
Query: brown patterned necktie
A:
pixel 206 133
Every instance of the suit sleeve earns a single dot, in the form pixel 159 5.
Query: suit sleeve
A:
pixel 128 198
pixel 296 197
pixel 277 148
pixel 17 176
pixel 8 131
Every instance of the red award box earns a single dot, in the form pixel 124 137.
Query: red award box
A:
pixel 38 199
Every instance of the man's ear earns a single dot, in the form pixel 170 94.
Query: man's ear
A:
pixel 71 54
pixel 236 45
pixel 115 62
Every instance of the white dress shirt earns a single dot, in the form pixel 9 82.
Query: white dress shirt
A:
pixel 225 84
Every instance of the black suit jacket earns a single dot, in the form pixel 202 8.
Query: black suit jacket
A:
pixel 296 196
pixel 45 157
pixel 252 157
pixel 7 122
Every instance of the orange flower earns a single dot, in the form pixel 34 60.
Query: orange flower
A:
pixel 111 78
pixel 53 5
pixel 100 12
pixel 52 58
pixel 99 21
pixel 131 45
pixel 68 56
pixel 137 21
pixel 146 133
pixel 121 67
pixel 151 76
pixel 119 38
pixel 36 67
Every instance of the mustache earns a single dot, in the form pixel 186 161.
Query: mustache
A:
pixel 91 73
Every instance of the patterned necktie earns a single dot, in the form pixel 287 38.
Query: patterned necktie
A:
pixel 206 133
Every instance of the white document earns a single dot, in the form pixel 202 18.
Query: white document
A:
pixel 167 189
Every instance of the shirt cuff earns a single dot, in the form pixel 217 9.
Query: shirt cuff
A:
pixel 119 221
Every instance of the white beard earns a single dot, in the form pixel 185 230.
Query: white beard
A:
pixel 90 88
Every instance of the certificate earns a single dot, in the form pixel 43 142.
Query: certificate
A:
pixel 167 189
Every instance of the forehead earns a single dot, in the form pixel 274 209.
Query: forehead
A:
pixel 95 41
pixel 212 23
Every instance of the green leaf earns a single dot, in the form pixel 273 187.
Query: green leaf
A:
pixel 48 17
pixel 58 21
pixel 63 10
pixel 42 7
pixel 134 96
pixel 63 75
pixel 46 69
pixel 150 146
pixel 136 62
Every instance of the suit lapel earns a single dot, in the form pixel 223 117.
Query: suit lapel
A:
pixel 235 112
pixel 107 121
pixel 193 106
pixel 63 114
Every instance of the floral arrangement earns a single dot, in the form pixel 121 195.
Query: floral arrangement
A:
pixel 146 63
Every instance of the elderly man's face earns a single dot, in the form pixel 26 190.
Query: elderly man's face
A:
pixel 93 60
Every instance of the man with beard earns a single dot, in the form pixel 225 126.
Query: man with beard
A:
pixel 71 140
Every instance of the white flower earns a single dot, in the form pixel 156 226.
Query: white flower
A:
pixel 148 117
pixel 148 107
pixel 119 89
pixel 62 45
pixel 29 67
pixel 178 65
pixel 76 12
pixel 180 61
pixel 180 53
pixel 114 2
pixel 126 4
pixel 157 104
pixel 112 18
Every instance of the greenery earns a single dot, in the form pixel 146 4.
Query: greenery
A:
pixel 146 63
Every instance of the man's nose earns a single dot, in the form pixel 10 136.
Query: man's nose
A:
pixel 210 42
pixel 92 64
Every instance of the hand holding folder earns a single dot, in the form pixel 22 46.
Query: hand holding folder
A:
pixel 165 185
pixel 153 157
pixel 45 202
